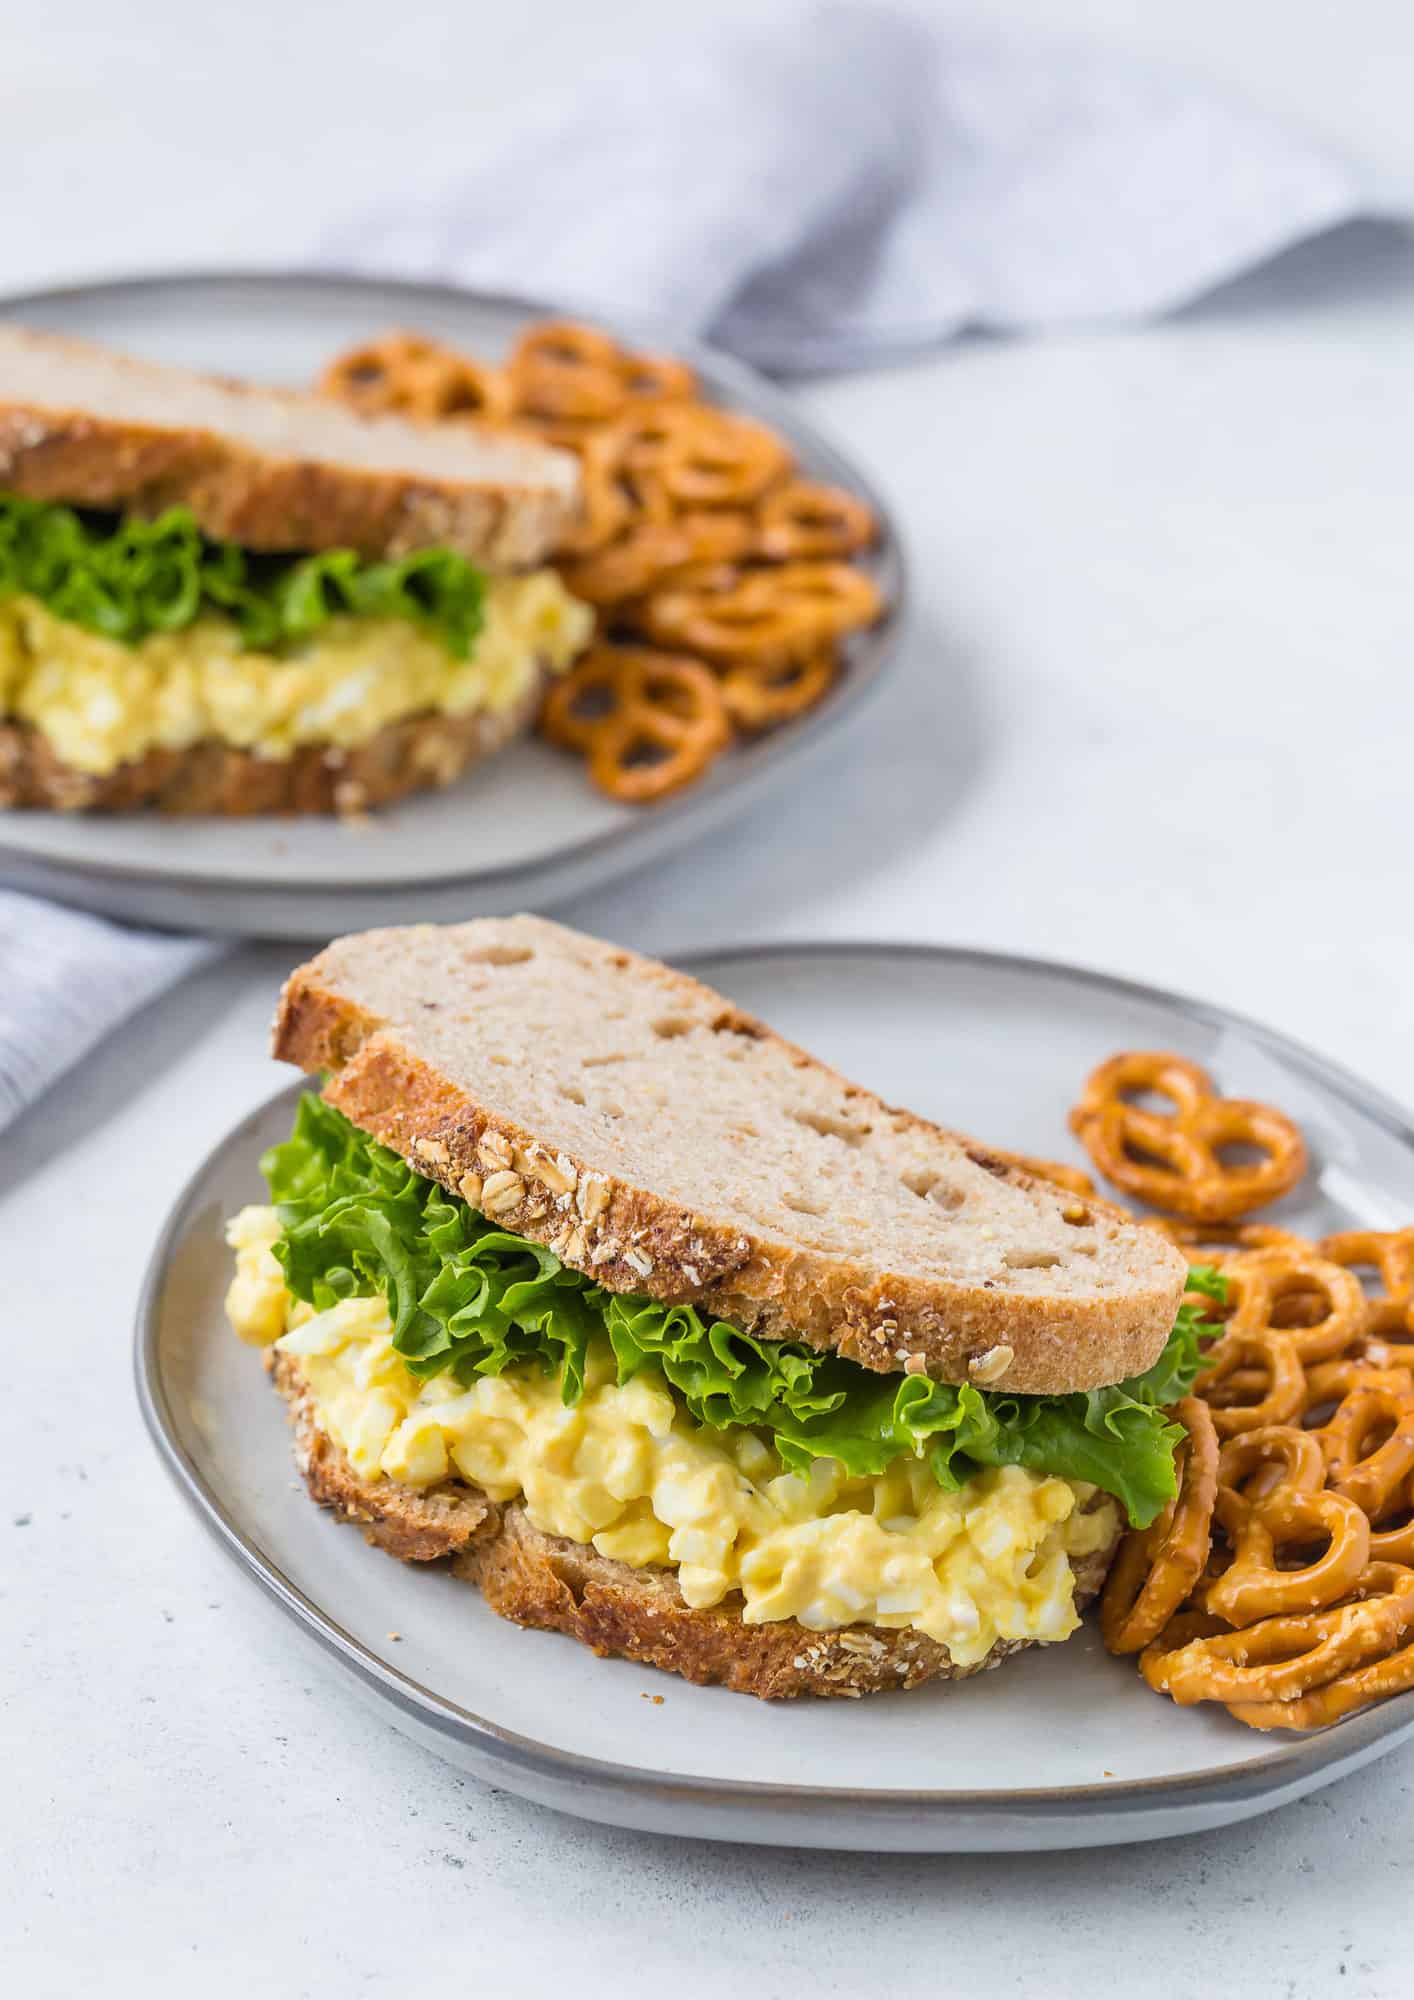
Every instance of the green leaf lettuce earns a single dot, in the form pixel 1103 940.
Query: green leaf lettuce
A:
pixel 128 579
pixel 470 1299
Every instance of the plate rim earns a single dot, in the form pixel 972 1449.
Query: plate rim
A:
pixel 1292 1763
pixel 673 818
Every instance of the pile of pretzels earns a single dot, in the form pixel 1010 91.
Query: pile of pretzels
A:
pixel 725 583
pixel 1279 1581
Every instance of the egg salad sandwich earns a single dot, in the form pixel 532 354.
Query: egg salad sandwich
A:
pixel 219 598
pixel 667 1337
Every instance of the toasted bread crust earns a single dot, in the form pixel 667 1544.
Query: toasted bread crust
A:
pixel 776 1290
pixel 296 493
pixel 557 1585
pixel 269 504
pixel 415 754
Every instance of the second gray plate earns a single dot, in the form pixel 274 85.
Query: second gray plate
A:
pixel 525 830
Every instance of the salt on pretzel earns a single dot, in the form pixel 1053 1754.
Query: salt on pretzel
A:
pixel 1327 1382
pixel 1287 1290
pixel 1255 1585
pixel 1368 1444
pixel 1390 1254
pixel 1256 1463
pixel 1353 1689
pixel 1252 1379
pixel 649 723
pixel 1283 1657
pixel 1157 1566
pixel 1262 1283
pixel 1173 1160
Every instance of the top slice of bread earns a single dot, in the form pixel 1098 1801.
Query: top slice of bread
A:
pixel 268 468
pixel 667 1143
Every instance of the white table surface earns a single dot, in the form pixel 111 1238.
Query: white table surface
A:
pixel 1157 717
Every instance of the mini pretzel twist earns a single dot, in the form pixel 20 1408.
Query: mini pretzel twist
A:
pixel 1255 1585
pixel 760 694
pixel 1272 1386
pixel 706 457
pixel 1389 1253
pixel 562 369
pixel 1261 1283
pixel 1173 1160
pixel 406 374
pixel 649 723
pixel 1358 1686
pixel 1282 1657
pixel 1371 1474
pixel 777 614
pixel 1327 1382
pixel 1157 1566
pixel 1277 1457
pixel 801 519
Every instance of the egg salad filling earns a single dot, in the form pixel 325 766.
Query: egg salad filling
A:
pixel 102 703
pixel 120 638
pixel 625 1468
pixel 437 1344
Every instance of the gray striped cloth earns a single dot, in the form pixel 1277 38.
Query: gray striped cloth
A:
pixel 67 980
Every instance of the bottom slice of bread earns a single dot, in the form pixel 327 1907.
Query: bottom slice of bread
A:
pixel 563 1586
pixel 412 755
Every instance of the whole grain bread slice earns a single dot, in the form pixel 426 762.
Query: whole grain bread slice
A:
pixel 664 1142
pixel 558 1585
pixel 268 468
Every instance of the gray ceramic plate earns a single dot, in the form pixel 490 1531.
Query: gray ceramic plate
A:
pixel 524 830
pixel 1062 1747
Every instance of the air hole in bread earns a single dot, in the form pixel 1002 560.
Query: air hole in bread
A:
pixel 738 1024
pixel 802 1204
pixel 988 1162
pixel 1030 1260
pixel 832 1128
pixel 498 954
pixel 598 1062
pixel 929 1185
pixel 573 1093
pixel 669 1026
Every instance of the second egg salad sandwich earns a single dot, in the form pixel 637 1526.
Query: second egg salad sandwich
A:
pixel 667 1337
pixel 225 599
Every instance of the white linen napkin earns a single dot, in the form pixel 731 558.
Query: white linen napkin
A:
pixel 66 980
pixel 826 189
pixel 842 183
